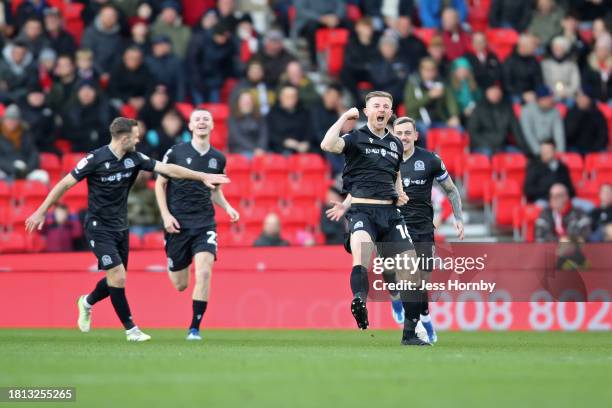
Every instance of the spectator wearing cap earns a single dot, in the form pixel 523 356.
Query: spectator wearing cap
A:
pixel 18 154
pixel 521 71
pixel 464 87
pixel 436 50
pixel 598 72
pixel 586 128
pixel 411 48
pixel 39 117
pixel 211 63
pixel 103 38
pixel 389 71
pixel 560 72
pixel 359 53
pixel 59 39
pixel 515 14
pixel 456 40
pixel 17 72
pixel 131 81
pixel 294 75
pixel 274 57
pixel 541 121
pixel 166 67
pixel 485 64
pixel 64 83
pixel 493 123
pixel 312 15
pixel 85 119
pixel 33 36
pixel 169 23
pixel 545 21
pixel 430 11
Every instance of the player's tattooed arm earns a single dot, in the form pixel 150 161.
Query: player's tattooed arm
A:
pixel 37 219
pixel 179 172
pixel 339 208
pixel 452 192
pixel 332 142
pixel 219 198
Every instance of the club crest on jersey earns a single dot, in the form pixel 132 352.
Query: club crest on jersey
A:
pixel 107 165
pixel 358 224
pixel 189 160
pixel 419 165
pixel 212 163
pixel 393 146
pixel 128 163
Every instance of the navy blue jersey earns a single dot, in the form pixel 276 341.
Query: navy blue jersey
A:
pixel 371 165
pixel 109 180
pixel 418 174
pixel 189 201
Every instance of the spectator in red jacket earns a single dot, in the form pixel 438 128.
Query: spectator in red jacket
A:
pixel 456 41
pixel 62 229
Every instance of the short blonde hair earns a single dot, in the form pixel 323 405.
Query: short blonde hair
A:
pixel 378 94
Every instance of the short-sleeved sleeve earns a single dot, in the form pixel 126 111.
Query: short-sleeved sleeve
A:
pixel 169 156
pixel 222 164
pixel 350 142
pixel 145 162
pixel 439 171
pixel 84 167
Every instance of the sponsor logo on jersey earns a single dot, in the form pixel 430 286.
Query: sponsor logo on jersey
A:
pixel 107 260
pixel 212 163
pixel 189 160
pixel 358 224
pixel 419 165
pixel 393 146
pixel 81 164
pixel 371 140
pixel 383 152
pixel 128 163
pixel 116 177
pixel 107 165
pixel 407 182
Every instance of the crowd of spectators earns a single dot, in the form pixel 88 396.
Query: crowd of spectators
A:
pixel 143 56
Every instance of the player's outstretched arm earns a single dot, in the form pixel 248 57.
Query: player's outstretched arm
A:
pixel 171 225
pixel 332 142
pixel 339 208
pixel 219 198
pixel 37 219
pixel 179 172
pixel 452 192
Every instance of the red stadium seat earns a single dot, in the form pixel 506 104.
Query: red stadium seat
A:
pixel 153 240
pixel 510 166
pixel 301 193
pixel 400 110
pixel 238 169
pixel 228 87
pixel 425 34
pixel 589 190
pixel 253 215
pixel 267 193
pixel 76 197
pixel 450 145
pixel 332 41
pixel 476 173
pixel 606 110
pixel 270 167
pixel 308 168
pixel 575 164
pixel 14 241
pixel 52 165
pixel 184 109
pixel 501 41
pixel 524 219
pixel 239 236
pixel 135 242
pixel 16 216
pixel 478 17
pixel 30 192
pixel 307 214
pixel 353 12
pixel 5 194
pixel 599 167
pixel 504 196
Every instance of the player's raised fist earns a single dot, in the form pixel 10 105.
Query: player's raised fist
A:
pixel 352 114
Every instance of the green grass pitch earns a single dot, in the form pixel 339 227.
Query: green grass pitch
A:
pixel 285 368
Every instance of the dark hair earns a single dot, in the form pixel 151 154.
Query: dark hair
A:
pixel 378 94
pixel 548 141
pixel 335 86
pixel 121 126
pixel 404 119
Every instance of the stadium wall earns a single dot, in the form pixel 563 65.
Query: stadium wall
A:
pixel 276 288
